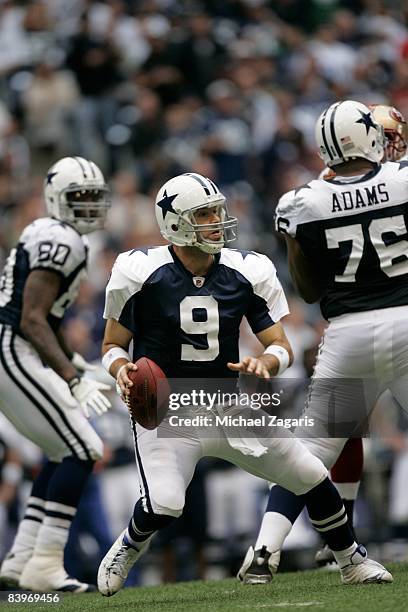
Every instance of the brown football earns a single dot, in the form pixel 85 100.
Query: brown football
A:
pixel 148 399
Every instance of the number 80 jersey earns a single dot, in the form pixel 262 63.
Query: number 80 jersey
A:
pixel 189 325
pixel 46 244
pixel 354 232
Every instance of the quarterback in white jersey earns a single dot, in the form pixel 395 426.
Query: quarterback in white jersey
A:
pixel 42 388
pixel 182 306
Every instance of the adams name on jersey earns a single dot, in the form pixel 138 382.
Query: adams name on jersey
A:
pixel 189 325
pixel 46 244
pixel 354 231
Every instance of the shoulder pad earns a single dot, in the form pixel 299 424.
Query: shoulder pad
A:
pixel 130 271
pixel 53 245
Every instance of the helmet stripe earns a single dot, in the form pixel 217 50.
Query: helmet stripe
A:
pixel 216 190
pixel 198 178
pixel 326 144
pixel 333 133
pixel 81 165
pixel 91 165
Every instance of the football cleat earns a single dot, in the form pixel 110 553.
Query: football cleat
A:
pixel 362 570
pixel 45 573
pixel 8 584
pixel 117 563
pixel 325 559
pixel 259 566
pixel 11 569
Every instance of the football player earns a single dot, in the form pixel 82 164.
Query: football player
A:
pixel 182 305
pixel 347 471
pixel 42 388
pixel 345 249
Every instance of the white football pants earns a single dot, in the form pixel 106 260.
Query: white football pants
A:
pixel 371 347
pixel 39 403
pixel 166 464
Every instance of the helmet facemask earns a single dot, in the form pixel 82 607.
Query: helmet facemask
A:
pixel 396 146
pixel 227 226
pixel 75 192
pixel 85 207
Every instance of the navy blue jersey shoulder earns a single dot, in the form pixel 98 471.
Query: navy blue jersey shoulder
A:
pixel 190 325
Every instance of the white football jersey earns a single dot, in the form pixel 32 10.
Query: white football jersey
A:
pixel 354 231
pixel 45 244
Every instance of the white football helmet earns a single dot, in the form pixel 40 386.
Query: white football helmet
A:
pixel 176 203
pixel 75 192
pixel 347 130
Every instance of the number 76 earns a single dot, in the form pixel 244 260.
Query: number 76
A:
pixel 386 253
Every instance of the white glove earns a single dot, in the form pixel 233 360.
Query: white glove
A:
pixel 87 393
pixel 81 364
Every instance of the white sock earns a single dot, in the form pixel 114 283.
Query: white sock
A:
pixel 24 542
pixel 348 490
pixel 343 556
pixel 53 533
pixel 273 532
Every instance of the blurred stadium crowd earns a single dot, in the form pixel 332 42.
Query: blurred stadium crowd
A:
pixel 153 88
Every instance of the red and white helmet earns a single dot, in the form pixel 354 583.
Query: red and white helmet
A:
pixel 176 203
pixel 395 130
pixel 75 192
pixel 347 130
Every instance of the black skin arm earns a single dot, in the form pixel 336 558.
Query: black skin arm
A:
pixel 63 344
pixel 302 273
pixel 40 292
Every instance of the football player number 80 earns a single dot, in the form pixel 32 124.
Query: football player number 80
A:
pixel 393 257
pixel 57 253
pixel 189 306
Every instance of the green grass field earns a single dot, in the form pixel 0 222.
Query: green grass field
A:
pixel 312 591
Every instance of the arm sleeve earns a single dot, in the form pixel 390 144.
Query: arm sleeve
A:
pixel 268 304
pixel 121 293
pixel 285 215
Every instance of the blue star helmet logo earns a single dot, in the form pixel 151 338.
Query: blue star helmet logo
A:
pixel 367 120
pixel 50 176
pixel 165 203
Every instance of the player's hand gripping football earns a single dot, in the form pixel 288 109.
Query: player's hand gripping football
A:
pixel 123 381
pixel 87 393
pixel 251 365
pixel 81 364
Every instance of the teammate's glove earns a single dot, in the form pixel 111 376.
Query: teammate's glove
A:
pixel 81 364
pixel 87 393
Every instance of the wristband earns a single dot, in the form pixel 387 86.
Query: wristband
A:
pixel 74 382
pixel 281 355
pixel 112 355
pixel 12 473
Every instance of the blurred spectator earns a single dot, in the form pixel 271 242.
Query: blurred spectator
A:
pixel 94 63
pixel 147 133
pixel 47 102
pixel 226 132
pixel 132 219
pixel 201 55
